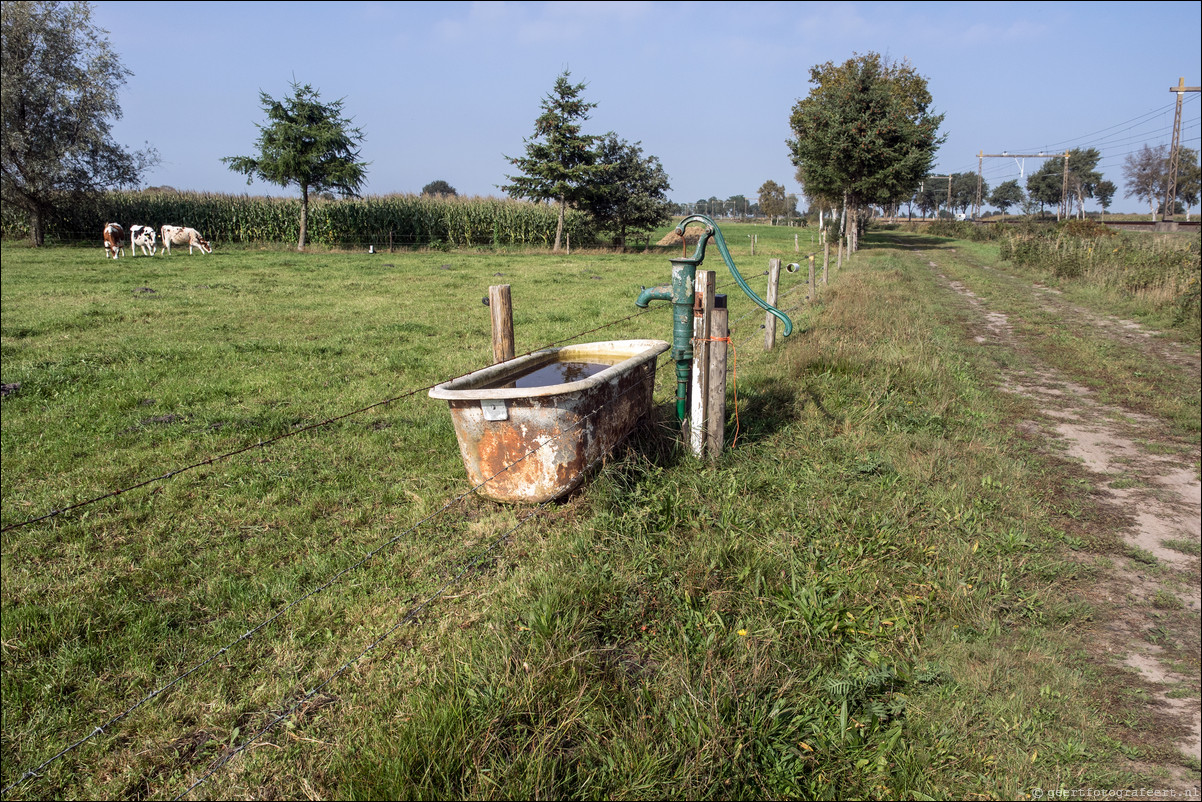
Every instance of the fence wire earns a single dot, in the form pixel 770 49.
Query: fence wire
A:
pixel 335 578
pixel 98 730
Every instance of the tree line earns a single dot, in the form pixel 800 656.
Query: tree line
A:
pixel 864 138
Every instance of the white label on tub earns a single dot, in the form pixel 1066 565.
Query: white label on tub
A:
pixel 494 410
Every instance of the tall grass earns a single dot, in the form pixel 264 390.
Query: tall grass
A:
pixel 382 221
pixel 1161 272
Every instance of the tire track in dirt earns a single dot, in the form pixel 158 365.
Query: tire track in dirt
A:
pixel 1158 493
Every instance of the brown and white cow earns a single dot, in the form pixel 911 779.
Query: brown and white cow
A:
pixel 142 237
pixel 114 240
pixel 177 235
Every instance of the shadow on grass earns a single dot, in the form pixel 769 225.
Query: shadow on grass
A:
pixel 884 239
pixel 764 411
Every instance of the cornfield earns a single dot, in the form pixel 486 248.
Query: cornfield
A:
pixel 382 221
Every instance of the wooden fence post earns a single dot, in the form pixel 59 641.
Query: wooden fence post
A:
pixel 769 318
pixel 500 305
pixel 813 290
pixel 719 331
pixel 703 294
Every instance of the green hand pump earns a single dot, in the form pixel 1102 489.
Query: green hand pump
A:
pixel 680 293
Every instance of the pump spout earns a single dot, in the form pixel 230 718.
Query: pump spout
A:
pixel 699 254
pixel 716 233
pixel 661 293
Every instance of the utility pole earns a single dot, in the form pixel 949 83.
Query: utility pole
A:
pixel 1064 204
pixel 976 209
pixel 1170 198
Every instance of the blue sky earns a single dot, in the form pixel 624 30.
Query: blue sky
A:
pixel 448 90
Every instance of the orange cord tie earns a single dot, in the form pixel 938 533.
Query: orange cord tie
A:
pixel 734 369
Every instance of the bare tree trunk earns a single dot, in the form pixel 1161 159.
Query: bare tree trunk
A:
pixel 563 205
pixel 304 223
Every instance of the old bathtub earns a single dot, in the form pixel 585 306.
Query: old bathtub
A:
pixel 530 444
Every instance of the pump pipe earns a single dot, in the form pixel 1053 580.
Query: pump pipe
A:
pixel 716 233
pixel 680 293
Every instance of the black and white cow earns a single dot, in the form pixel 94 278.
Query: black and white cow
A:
pixel 142 237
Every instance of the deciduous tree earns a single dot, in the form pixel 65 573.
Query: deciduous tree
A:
pixel 1046 185
pixel 1083 176
pixel 560 159
pixel 773 202
pixel 1103 193
pixel 439 187
pixel 59 79
pixel 1006 194
pixel 865 132
pixel 307 143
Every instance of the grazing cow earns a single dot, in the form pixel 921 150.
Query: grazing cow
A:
pixel 143 237
pixel 114 240
pixel 176 235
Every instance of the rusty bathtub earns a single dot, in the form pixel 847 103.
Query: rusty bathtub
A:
pixel 532 444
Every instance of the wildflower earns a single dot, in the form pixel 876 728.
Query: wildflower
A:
pixel 742 633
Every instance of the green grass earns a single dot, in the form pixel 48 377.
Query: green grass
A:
pixel 864 598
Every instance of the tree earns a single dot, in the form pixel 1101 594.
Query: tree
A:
pixel 627 192
pixel 865 132
pixel 307 143
pixel 1046 185
pixel 560 160
pixel 1189 179
pixel 59 80
pixel 1083 176
pixel 773 202
pixel 738 205
pixel 1007 194
pixel 439 187
pixel 1103 193
pixel 1146 172
pixel 929 195
pixel 964 190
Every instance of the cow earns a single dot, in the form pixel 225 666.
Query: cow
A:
pixel 177 235
pixel 144 237
pixel 114 240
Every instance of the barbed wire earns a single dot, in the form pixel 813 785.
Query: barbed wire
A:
pixel 300 430
pixel 414 611
pixel 30 773
pixel 411 615
pixel 333 579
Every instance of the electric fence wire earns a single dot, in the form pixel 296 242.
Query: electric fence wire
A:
pixel 98 730
pixel 412 614
pixel 261 443
pixel 409 616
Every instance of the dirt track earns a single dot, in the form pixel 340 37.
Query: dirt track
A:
pixel 1146 631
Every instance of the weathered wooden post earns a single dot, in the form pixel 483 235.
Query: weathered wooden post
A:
pixel 500 306
pixel 769 318
pixel 703 293
pixel 813 291
pixel 719 332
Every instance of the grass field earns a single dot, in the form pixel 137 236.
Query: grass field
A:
pixel 869 596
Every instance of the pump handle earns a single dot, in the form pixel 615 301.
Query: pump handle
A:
pixel 712 230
